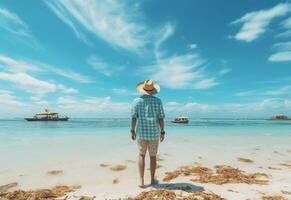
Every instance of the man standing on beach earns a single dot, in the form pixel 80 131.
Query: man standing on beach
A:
pixel 148 114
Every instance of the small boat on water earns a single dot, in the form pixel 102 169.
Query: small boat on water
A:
pixel 47 116
pixel 280 117
pixel 181 119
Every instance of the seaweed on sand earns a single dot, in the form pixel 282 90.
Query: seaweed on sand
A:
pixel 54 172
pixel 286 165
pixel 42 194
pixel 115 181
pixel 273 198
pixel 118 167
pixel 224 174
pixel 103 165
pixel 245 160
pixel 4 188
pixel 160 194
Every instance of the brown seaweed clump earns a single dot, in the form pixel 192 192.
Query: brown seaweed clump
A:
pixel 245 160
pixel 103 165
pixel 274 168
pixel 42 194
pixel 115 181
pixel 160 194
pixel 118 167
pixel 4 188
pixel 286 165
pixel 54 172
pixel 87 198
pixel 273 198
pixel 186 171
pixel 224 174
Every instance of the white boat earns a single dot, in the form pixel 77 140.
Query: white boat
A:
pixel 181 119
pixel 47 116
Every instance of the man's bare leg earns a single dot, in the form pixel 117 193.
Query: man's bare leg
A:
pixel 141 166
pixel 153 165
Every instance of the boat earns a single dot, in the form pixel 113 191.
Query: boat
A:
pixel 181 120
pixel 280 117
pixel 47 116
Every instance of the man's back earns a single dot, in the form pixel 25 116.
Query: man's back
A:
pixel 148 109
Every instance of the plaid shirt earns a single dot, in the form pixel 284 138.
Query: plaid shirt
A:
pixel 148 110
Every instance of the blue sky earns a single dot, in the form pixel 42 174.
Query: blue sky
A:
pixel 84 58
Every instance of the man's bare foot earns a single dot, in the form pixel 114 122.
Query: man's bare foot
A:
pixel 141 184
pixel 155 181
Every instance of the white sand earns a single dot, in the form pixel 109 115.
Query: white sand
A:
pixel 80 164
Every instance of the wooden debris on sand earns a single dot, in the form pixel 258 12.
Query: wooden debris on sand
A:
pixel 103 165
pixel 5 188
pixel 54 172
pixel 273 198
pixel 118 167
pixel 160 194
pixel 47 194
pixel 245 160
pixel 224 174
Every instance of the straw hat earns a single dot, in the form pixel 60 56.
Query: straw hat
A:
pixel 148 87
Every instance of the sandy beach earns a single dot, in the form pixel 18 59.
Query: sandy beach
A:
pixel 226 166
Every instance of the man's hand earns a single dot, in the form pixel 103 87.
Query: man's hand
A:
pixel 162 137
pixel 133 135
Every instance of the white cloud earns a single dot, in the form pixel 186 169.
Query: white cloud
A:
pixel 17 28
pixel 124 91
pixel 280 56
pixel 33 85
pixel 14 65
pixel 10 64
pixel 287 23
pixel 177 71
pixel 254 24
pixel 264 108
pixel 67 90
pixel 278 91
pixel 29 83
pixel 12 23
pixel 180 72
pixel 192 46
pixel 69 74
pixel 283 46
pixel 100 65
pixel 116 22
pixel 224 71
pixel 8 99
pixel 205 83
pixel 165 32
pixel 94 105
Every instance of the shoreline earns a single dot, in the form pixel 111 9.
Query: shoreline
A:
pixel 120 180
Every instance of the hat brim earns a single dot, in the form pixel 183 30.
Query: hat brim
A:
pixel 140 89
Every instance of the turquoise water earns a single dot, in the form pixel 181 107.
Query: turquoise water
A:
pixel 8 128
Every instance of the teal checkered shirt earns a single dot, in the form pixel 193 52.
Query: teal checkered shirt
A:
pixel 148 110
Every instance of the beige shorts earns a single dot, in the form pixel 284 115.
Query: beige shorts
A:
pixel 143 145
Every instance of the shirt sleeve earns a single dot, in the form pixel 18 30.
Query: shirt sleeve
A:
pixel 134 113
pixel 161 113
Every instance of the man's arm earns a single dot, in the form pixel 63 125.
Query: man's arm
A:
pixel 161 122
pixel 133 124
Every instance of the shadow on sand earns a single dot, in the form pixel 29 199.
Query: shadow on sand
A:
pixel 187 187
